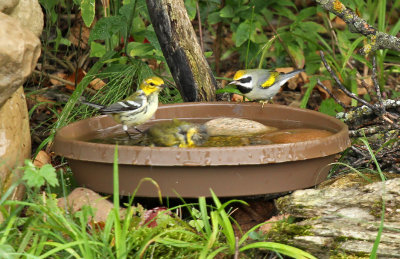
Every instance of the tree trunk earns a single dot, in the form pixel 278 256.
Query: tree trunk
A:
pixel 181 49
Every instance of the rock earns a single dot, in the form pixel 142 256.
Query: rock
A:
pixel 19 52
pixel 235 127
pixel 346 219
pixel 15 140
pixel 30 15
pixel 80 197
pixel 6 6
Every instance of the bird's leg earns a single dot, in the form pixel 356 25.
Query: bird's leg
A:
pixel 138 130
pixel 263 102
pixel 125 128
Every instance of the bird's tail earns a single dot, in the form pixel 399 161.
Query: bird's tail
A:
pixel 94 105
pixel 285 77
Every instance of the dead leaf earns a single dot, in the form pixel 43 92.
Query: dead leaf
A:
pixel 54 81
pixel 267 227
pixel 284 69
pixel 150 216
pixel 97 84
pixel 361 91
pixel 338 23
pixel 295 81
pixel 79 33
pixel 237 98
pixel 342 96
pixel 322 91
pixel 42 159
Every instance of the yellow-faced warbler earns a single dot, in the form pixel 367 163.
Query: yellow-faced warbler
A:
pixel 175 133
pixel 137 108
pixel 261 84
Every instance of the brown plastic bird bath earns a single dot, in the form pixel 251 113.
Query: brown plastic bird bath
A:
pixel 191 172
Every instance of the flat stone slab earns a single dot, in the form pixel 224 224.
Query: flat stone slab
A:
pixel 226 126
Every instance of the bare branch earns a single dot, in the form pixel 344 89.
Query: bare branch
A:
pixel 376 84
pixel 332 95
pixel 343 88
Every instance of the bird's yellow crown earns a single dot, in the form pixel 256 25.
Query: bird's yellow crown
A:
pixel 239 74
pixel 151 85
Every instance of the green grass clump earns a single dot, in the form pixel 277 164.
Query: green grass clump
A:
pixel 38 228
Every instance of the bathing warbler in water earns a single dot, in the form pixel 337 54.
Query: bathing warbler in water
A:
pixel 137 108
pixel 175 133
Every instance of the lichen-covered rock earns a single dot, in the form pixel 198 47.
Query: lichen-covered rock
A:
pixel 345 219
pixel 30 15
pixel 15 140
pixel 6 6
pixel 235 127
pixel 19 52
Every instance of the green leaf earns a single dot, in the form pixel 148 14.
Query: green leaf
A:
pixel 88 11
pixel 106 27
pixel 306 13
pixel 191 8
pixel 213 18
pixel 208 54
pixel 312 27
pixel 49 174
pixel 33 178
pixel 137 49
pixel 242 33
pixel 151 36
pixel 309 86
pixel 298 54
pixel 7 252
pixel 279 248
pixel 228 89
pixel 97 49
pixel 138 24
pixel 227 12
pixel 283 11
pixel 330 107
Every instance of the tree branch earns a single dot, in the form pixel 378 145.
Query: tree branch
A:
pixel 378 40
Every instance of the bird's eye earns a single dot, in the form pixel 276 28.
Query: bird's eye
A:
pixel 245 80
pixel 152 84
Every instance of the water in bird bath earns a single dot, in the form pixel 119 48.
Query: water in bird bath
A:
pixel 278 132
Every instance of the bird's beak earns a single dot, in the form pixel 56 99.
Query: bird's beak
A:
pixel 233 82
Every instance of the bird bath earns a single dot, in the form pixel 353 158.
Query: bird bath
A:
pixel 192 172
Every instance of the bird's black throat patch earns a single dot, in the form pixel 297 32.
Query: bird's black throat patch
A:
pixel 242 89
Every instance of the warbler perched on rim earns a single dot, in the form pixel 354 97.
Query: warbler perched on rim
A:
pixel 138 107
pixel 175 133
pixel 261 84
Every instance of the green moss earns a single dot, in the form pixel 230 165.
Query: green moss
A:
pixel 343 255
pixel 284 232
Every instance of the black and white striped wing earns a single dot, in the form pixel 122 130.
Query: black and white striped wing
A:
pixel 131 104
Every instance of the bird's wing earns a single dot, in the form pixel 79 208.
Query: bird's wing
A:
pixel 268 79
pixel 132 103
